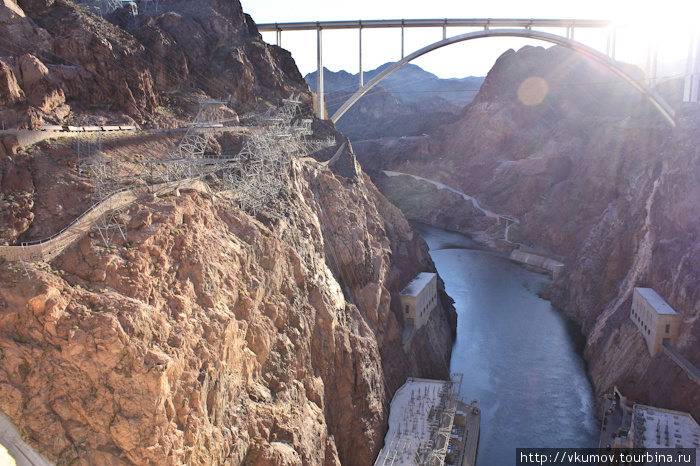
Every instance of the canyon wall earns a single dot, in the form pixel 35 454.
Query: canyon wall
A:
pixel 597 180
pixel 649 239
pixel 60 60
pixel 213 335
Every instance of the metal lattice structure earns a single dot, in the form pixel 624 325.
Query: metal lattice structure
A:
pixel 440 419
pixel 189 160
pixel 260 171
pixel 102 171
pixel 88 144
pixel 253 177
pixel 432 426
pixel 105 7
pixel 208 119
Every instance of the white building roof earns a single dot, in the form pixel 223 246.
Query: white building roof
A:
pixel 408 421
pixel 656 301
pixel 664 428
pixel 417 284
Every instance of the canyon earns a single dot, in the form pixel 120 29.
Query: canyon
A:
pixel 217 334
pixel 596 179
pixel 213 334
pixel 409 102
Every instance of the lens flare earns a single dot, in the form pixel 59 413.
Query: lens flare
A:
pixel 532 91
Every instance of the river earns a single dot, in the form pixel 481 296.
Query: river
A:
pixel 519 355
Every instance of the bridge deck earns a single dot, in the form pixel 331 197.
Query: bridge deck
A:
pixel 446 22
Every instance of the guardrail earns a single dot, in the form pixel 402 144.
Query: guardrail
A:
pixel 446 22
pixel 48 248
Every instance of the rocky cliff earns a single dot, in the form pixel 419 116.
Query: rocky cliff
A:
pixel 214 335
pixel 59 59
pixel 217 337
pixel 648 238
pixel 596 179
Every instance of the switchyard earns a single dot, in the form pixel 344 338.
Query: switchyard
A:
pixel 631 425
pixel 430 425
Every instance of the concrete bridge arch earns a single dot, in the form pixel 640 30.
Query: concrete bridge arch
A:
pixel 659 103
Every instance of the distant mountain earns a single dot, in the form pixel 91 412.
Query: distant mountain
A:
pixel 410 82
pixel 409 102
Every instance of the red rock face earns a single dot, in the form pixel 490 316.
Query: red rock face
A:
pixel 16 192
pixel 595 177
pixel 10 90
pixel 653 244
pixel 215 337
pixel 82 62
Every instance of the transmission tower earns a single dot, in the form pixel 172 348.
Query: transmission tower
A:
pixel 209 118
pixel 103 173
pixel 260 171
pixel 88 144
pixel 189 159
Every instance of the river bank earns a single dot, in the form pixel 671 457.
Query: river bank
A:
pixel 521 357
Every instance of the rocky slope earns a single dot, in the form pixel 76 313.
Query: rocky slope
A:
pixel 648 238
pixel 59 60
pixel 217 337
pixel 213 336
pixel 597 179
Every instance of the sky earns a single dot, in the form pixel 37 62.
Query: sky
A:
pixel 668 22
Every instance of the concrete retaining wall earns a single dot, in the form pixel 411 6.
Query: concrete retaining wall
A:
pixel 541 262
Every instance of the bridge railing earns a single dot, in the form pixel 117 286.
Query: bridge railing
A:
pixel 692 78
pixel 446 22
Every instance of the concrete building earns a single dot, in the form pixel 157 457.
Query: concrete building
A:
pixel 419 298
pixel 658 322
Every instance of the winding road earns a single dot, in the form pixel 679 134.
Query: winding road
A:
pixel 47 249
pixel 510 220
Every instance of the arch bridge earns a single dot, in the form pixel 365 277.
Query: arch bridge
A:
pixel 498 28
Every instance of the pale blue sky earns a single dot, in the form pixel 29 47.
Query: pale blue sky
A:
pixel 670 21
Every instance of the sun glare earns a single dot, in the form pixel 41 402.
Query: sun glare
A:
pixel 532 91
pixel 670 26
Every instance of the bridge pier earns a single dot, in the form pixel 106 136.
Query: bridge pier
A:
pixel 362 79
pixel 612 39
pixel 652 58
pixel 403 27
pixel 691 91
pixel 320 110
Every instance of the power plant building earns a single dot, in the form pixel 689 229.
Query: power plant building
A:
pixel 419 298
pixel 658 322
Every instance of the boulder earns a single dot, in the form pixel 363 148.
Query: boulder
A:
pixel 16 179
pixel 11 144
pixel 41 90
pixel 10 91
